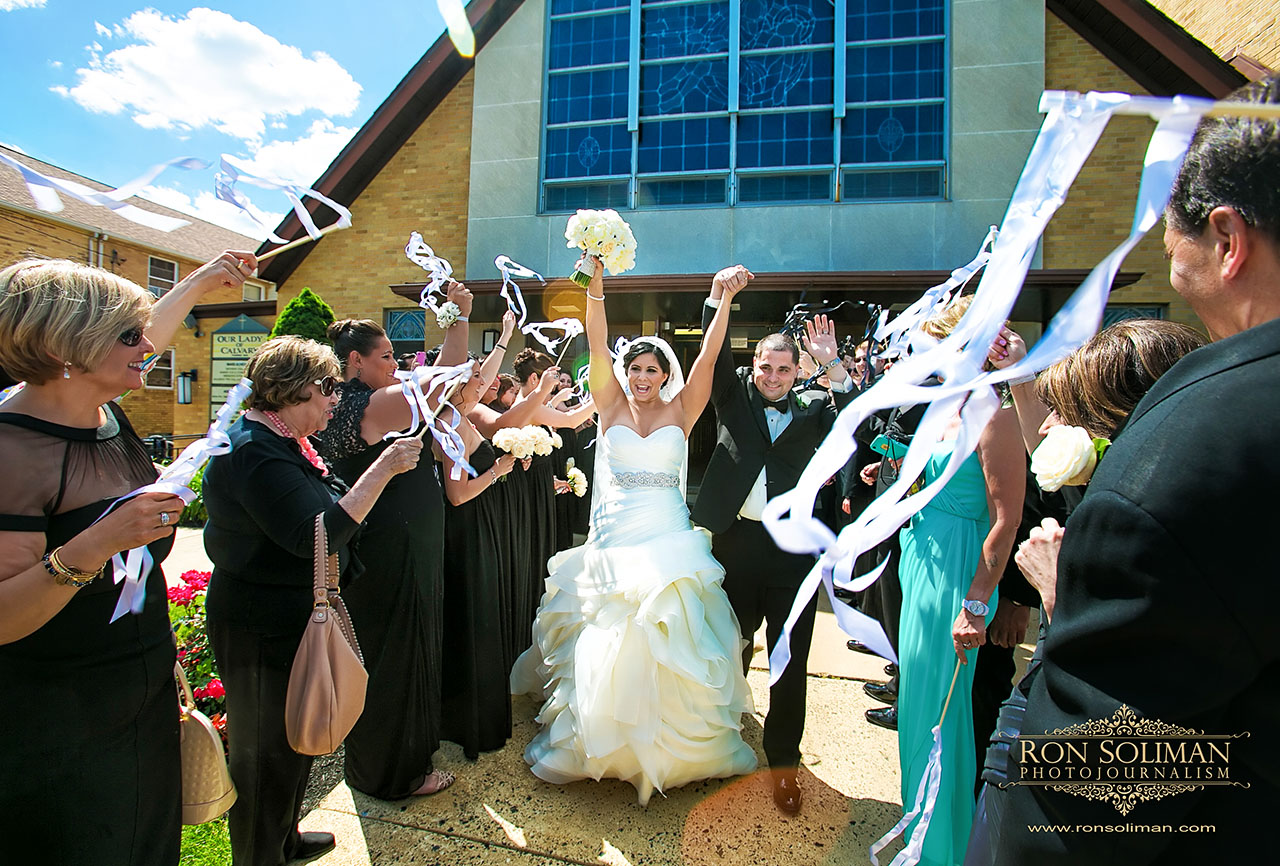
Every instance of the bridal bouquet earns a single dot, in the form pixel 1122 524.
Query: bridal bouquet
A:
pixel 577 479
pixel 605 234
pixel 523 442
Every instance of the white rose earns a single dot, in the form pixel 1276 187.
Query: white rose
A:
pixel 449 313
pixel 1065 457
pixel 578 480
pixel 556 441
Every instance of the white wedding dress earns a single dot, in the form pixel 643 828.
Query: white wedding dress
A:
pixel 636 652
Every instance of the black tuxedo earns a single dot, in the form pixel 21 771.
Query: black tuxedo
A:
pixel 1168 602
pixel 760 579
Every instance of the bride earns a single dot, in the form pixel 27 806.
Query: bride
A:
pixel 636 652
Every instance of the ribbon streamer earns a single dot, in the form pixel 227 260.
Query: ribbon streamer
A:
pixel 440 270
pixel 232 171
pixel 1070 131
pixel 510 291
pixel 441 379
pixel 569 326
pixel 460 33
pixel 131 567
pixel 44 190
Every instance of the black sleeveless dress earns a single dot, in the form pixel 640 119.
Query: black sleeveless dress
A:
pixel 539 512
pixel 478 563
pixel 397 610
pixel 89 756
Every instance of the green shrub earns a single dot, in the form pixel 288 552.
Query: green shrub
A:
pixel 187 616
pixel 307 315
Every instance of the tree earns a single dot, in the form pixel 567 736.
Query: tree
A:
pixel 307 315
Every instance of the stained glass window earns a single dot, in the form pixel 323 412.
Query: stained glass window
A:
pixel 715 102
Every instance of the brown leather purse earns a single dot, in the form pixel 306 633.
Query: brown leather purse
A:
pixel 328 680
pixel 207 791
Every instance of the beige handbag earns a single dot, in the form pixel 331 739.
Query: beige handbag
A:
pixel 328 679
pixel 207 792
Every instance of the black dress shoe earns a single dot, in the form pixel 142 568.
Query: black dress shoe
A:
pixel 859 647
pixel 313 845
pixel 881 693
pixel 891 670
pixel 786 792
pixel 885 717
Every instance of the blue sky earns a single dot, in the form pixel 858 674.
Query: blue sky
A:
pixel 107 88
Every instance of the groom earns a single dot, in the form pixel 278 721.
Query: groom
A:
pixel 764 438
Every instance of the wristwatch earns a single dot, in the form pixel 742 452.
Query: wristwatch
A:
pixel 975 607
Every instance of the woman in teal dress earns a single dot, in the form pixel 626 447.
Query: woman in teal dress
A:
pixel 953 551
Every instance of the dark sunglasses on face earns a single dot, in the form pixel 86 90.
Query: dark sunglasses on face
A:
pixel 131 337
pixel 327 386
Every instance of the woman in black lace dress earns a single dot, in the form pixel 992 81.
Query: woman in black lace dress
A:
pixel 89 767
pixel 397 605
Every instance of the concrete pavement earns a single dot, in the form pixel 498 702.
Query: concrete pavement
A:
pixel 500 813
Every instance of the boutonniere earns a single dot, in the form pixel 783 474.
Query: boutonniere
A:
pixel 802 401
pixel 1067 457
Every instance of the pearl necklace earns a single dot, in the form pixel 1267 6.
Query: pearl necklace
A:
pixel 308 450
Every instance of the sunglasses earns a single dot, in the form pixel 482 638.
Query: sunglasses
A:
pixel 131 337
pixel 327 386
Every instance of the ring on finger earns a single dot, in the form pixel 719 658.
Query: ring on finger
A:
pixel 164 518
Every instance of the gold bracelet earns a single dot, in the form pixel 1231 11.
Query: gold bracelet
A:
pixel 66 575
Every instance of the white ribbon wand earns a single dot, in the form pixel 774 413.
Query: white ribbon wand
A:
pixel 417 251
pixel 132 566
pixel 232 172
pixel 441 378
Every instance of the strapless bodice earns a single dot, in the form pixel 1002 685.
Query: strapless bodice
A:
pixel 662 451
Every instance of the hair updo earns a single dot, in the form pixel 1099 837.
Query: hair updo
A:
pixel 354 335
pixel 644 347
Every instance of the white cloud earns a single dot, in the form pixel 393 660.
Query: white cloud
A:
pixel 210 208
pixel 101 29
pixel 10 5
pixel 13 147
pixel 302 160
pixel 56 64
pixel 209 70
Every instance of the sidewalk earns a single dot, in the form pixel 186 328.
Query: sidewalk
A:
pixel 500 813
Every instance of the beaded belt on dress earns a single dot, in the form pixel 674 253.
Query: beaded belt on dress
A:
pixel 632 480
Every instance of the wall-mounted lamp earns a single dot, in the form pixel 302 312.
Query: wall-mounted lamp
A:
pixel 185 379
pixel 488 340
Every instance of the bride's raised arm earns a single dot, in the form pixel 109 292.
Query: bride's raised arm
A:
pixel 697 389
pixel 605 390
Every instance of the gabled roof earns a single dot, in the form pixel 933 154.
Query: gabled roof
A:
pixel 1154 51
pixel 1149 47
pixel 199 240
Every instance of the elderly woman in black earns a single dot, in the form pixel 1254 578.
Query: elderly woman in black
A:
pixel 89 767
pixel 263 498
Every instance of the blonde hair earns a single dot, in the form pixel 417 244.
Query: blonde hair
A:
pixel 53 311
pixel 1098 385
pixel 282 369
pixel 940 325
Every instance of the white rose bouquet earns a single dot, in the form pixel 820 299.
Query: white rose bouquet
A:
pixel 1066 457
pixel 556 441
pixel 604 234
pixel 576 478
pixel 523 442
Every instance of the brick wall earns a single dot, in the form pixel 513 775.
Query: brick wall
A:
pixel 1099 207
pixel 1246 26
pixel 424 188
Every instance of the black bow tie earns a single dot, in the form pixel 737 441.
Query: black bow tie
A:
pixel 776 405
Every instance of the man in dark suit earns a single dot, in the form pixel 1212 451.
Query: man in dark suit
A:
pixel 764 439
pixel 1167 598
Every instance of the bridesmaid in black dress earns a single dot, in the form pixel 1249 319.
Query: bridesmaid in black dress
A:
pixel 89 767
pixel 531 499
pixel 477 702
pixel 397 604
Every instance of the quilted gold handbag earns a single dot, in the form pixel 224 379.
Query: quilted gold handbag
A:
pixel 327 682
pixel 207 791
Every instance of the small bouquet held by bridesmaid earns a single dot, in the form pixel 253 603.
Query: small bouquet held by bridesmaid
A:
pixel 577 479
pixel 523 442
pixel 604 234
